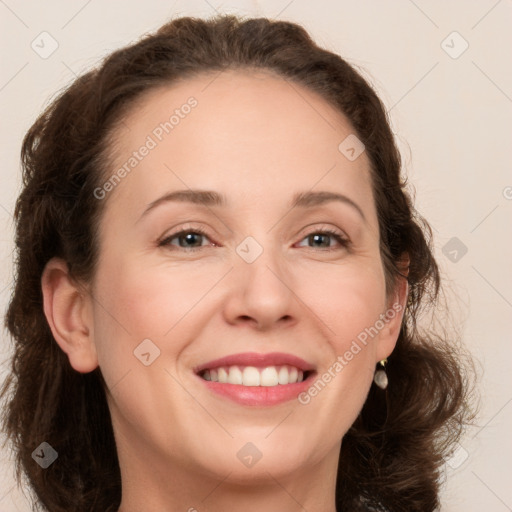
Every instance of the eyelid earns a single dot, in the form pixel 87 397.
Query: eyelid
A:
pixel 326 227
pixel 344 239
pixel 185 229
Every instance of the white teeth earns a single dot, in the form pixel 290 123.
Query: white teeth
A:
pixel 269 377
pixel 235 375
pixel 251 376
pixel 283 375
pixel 222 374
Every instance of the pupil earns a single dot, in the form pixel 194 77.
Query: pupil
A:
pixel 316 237
pixel 190 237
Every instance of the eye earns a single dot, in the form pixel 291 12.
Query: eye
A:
pixel 325 234
pixel 187 236
pixel 190 239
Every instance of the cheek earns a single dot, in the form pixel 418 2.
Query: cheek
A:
pixel 136 302
pixel 348 297
pixel 347 301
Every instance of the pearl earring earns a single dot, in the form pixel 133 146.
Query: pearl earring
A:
pixel 381 377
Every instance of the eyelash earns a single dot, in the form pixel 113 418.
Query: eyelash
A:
pixel 344 242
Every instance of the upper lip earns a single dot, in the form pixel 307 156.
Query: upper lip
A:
pixel 257 359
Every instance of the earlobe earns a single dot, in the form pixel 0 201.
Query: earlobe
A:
pixel 68 314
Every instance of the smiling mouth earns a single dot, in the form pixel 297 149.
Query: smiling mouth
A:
pixel 252 376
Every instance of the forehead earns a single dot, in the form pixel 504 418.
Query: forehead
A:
pixel 251 133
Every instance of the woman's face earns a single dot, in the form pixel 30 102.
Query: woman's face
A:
pixel 264 278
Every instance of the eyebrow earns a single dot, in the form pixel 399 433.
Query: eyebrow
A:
pixel 211 198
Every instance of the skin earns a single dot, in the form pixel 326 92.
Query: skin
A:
pixel 257 139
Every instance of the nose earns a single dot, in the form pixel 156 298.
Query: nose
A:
pixel 262 290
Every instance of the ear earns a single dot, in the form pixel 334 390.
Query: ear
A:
pixel 69 314
pixel 394 313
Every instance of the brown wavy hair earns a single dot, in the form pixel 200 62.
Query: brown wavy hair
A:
pixel 392 457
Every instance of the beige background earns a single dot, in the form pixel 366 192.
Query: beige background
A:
pixel 451 112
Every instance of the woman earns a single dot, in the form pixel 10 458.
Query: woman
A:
pixel 274 364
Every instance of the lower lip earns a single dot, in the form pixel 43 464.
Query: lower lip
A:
pixel 259 395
